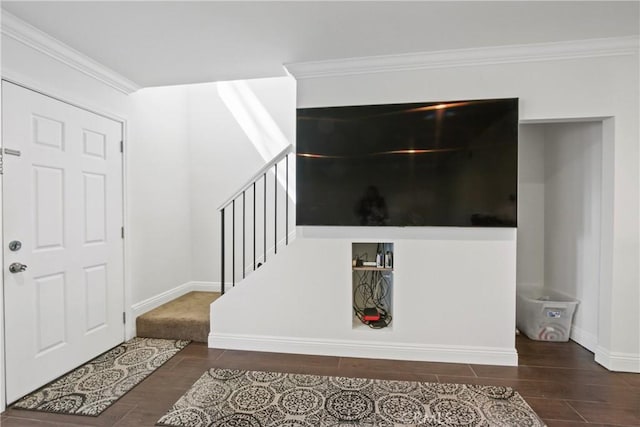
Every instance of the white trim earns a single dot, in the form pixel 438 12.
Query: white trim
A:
pixel 155 301
pixel 20 79
pixel 3 382
pixel 584 338
pixel 127 220
pixel 590 48
pixel 205 286
pixel 375 234
pixel 149 304
pixel 379 350
pixel 618 362
pixel 29 35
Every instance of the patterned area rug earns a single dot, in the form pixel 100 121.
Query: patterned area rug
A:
pixel 93 387
pixel 224 397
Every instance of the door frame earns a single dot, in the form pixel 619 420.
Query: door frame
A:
pixel 605 262
pixel 128 327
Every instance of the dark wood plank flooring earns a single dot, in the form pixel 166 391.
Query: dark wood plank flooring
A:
pixel 560 381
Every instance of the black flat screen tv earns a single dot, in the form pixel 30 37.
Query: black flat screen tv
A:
pixel 449 163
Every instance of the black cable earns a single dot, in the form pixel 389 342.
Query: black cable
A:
pixel 365 292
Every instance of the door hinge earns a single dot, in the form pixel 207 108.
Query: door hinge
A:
pixel 122 146
pixel 124 317
pixel 122 232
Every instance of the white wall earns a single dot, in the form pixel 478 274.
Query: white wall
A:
pixel 531 217
pixel 159 192
pixel 589 87
pixel 301 300
pixel 549 90
pixel 278 95
pixel 223 158
pixel 572 204
pixel 187 155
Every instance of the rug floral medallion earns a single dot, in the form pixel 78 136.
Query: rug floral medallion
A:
pixel 96 385
pixel 226 397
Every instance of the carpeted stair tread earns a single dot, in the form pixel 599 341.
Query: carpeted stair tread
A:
pixel 185 318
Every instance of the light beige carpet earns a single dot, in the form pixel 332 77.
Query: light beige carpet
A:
pixel 185 318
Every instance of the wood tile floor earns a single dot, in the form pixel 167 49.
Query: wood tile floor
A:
pixel 560 381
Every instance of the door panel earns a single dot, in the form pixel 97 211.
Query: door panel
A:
pixel 51 324
pixel 63 201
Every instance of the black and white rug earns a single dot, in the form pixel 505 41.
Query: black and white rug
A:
pixel 224 397
pixel 94 386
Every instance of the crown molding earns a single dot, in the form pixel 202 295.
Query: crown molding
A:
pixel 467 57
pixel 29 35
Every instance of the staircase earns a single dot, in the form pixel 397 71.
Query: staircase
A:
pixel 185 318
pixel 255 221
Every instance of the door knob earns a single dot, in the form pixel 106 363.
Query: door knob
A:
pixel 16 267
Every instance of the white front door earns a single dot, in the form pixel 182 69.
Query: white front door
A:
pixel 62 191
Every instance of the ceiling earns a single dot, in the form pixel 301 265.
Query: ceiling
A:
pixel 176 42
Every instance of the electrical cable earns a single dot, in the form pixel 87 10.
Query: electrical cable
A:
pixel 372 291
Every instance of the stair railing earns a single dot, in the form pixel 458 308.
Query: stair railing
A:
pixel 269 172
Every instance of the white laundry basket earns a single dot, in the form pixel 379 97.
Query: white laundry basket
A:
pixel 545 315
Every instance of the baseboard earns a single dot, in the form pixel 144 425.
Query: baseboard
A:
pixel 142 307
pixel 204 286
pixel 164 297
pixel 381 350
pixel 618 362
pixel 584 338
